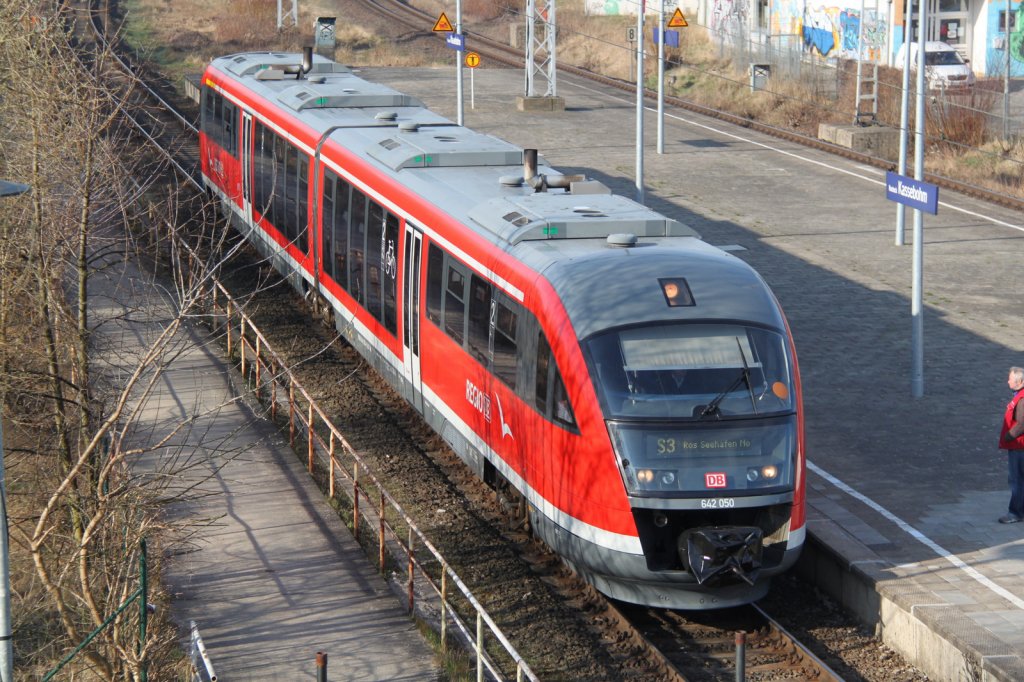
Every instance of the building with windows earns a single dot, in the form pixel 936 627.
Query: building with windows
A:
pixel 981 30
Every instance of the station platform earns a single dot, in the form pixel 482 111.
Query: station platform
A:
pixel 904 492
pixel 265 568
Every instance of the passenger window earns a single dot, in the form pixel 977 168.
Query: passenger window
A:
pixel 389 259
pixel 554 404
pixel 479 318
pixel 435 280
pixel 374 269
pixel 327 223
pixel 357 242
pixel 455 305
pixel 541 387
pixel 506 358
pixel 341 215
pixel 302 204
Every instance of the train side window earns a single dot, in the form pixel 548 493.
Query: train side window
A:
pixel 327 223
pixel 259 155
pixel 374 271
pixel 455 303
pixel 389 258
pixel 277 204
pixel 479 318
pixel 356 248
pixel 229 112
pixel 302 203
pixel 543 360
pixel 562 413
pixel 290 222
pixel 555 403
pixel 435 283
pixel 505 356
pixel 341 215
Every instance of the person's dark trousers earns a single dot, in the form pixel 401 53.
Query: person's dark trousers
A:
pixel 1015 459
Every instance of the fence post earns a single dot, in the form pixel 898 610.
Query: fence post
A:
pixel 309 435
pixel 241 345
pixel 444 608
pixel 291 412
pixel 411 573
pixel 330 484
pixel 321 666
pixel 355 501
pixel 273 393
pixel 259 362
pixel 380 535
pixel 227 324
pixel 143 610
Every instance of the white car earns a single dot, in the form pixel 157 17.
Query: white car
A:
pixel 945 69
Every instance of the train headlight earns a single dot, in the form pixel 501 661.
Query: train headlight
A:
pixel 753 475
pixel 770 471
pixel 668 477
pixel 644 475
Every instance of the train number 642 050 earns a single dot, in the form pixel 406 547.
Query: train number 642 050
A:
pixel 718 503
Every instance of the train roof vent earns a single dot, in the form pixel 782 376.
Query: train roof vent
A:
pixel 452 147
pixel 562 216
pixel 352 95
pixel 278 65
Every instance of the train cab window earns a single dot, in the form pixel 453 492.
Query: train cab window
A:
pixel 455 304
pixel 479 318
pixel 218 120
pixel 551 398
pixel 505 363
pixel 435 283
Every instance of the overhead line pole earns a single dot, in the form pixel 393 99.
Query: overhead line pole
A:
pixel 640 101
pixel 916 307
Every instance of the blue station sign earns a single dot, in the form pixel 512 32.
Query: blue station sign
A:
pixel 456 41
pixel 910 192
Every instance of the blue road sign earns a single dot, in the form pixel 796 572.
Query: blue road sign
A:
pixel 911 192
pixel 671 37
pixel 456 41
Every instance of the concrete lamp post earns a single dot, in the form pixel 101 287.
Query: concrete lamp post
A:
pixel 7 189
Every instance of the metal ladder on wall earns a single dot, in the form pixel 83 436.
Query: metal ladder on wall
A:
pixel 867 95
pixel 867 84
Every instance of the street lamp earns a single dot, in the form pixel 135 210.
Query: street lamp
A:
pixel 7 189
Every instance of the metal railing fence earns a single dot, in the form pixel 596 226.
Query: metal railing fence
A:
pixel 371 504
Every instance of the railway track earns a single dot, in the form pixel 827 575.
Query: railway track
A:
pixel 645 643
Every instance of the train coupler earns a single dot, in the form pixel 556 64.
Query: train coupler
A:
pixel 721 552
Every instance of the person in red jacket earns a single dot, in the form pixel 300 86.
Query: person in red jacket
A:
pixel 1011 439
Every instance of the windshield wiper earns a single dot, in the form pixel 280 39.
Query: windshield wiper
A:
pixel 712 407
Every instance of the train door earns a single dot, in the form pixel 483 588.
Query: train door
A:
pixel 246 157
pixel 411 326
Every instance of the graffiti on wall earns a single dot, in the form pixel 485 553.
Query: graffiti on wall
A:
pixel 996 42
pixel 729 17
pixel 834 32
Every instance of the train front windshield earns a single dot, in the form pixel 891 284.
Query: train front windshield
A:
pixel 698 408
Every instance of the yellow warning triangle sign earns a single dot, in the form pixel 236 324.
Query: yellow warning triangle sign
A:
pixel 443 24
pixel 677 20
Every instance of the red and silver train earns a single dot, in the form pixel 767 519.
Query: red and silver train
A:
pixel 635 385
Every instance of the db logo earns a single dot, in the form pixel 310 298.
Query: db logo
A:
pixel 715 480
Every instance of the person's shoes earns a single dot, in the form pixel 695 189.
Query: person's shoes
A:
pixel 1009 518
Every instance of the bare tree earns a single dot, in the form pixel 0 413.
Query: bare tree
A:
pixel 84 501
